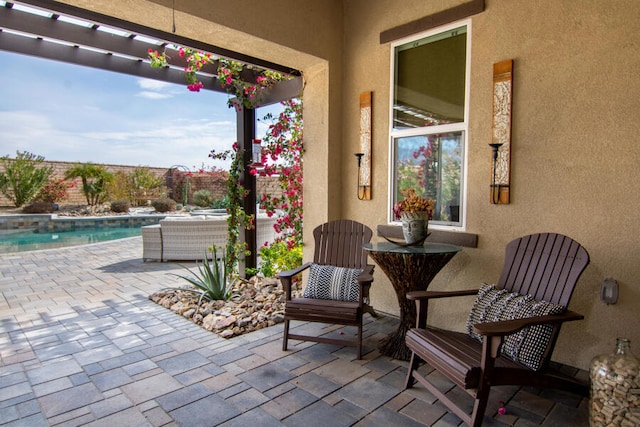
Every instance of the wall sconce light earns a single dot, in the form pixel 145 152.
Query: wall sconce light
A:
pixel 609 291
pixel 364 156
pixel 501 141
pixel 256 154
pixel 495 187
pixel 363 189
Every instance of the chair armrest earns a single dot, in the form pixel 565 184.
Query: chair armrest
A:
pixel 425 295
pixel 366 277
pixel 507 327
pixel 364 281
pixel 294 272
pixel 422 301
pixel 286 276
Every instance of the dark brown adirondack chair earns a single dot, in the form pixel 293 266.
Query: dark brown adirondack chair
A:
pixel 545 266
pixel 338 244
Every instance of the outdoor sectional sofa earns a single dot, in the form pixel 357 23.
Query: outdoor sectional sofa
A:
pixel 182 238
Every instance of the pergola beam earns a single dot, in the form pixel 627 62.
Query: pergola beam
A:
pixel 74 55
pixel 167 38
pixel 112 52
pixel 52 28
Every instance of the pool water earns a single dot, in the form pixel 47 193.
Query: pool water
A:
pixel 30 240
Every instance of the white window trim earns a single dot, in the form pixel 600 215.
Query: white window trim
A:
pixel 464 127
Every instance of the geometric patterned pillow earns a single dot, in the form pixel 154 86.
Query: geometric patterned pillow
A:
pixel 526 346
pixel 332 283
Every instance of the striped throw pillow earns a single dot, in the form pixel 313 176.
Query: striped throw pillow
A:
pixel 526 346
pixel 332 283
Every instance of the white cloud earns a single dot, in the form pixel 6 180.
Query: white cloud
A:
pixel 182 141
pixel 153 95
pixel 155 89
pixel 150 84
pixel 73 114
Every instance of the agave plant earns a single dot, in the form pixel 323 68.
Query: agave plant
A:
pixel 211 279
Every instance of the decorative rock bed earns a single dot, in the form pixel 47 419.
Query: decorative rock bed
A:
pixel 259 303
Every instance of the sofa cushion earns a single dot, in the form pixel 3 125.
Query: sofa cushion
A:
pixel 184 218
pixel 332 283
pixel 526 346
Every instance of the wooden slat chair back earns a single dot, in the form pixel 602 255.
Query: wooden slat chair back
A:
pixel 337 243
pixel 546 266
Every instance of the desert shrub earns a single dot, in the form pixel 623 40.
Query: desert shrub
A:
pixel 278 257
pixel 120 187
pixel 120 206
pixel 211 280
pixel 39 208
pixel 164 205
pixel 22 179
pixel 138 186
pixel 142 178
pixel 203 198
pixel 55 190
pixel 222 203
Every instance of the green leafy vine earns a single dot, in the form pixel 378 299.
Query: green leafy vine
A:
pixel 247 94
pixel 237 217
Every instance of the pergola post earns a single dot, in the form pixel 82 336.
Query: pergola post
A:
pixel 246 122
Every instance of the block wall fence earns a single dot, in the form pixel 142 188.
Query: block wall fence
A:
pixel 197 181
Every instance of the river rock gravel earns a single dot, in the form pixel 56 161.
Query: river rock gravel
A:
pixel 258 303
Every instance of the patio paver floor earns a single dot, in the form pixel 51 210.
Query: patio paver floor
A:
pixel 80 344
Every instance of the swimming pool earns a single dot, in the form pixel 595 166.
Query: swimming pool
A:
pixel 30 240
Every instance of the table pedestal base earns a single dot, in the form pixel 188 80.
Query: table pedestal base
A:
pixel 409 270
pixel 393 345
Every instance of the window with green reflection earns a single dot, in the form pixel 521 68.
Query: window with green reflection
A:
pixel 429 120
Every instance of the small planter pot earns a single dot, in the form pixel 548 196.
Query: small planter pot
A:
pixel 414 226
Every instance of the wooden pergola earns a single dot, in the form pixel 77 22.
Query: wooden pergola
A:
pixel 52 30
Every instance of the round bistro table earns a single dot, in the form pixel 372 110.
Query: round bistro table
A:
pixel 409 268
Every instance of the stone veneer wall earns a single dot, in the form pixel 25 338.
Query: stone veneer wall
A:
pixel 197 182
pixel 53 223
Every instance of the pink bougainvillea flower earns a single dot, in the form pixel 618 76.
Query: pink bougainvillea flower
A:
pixel 195 87
pixel 501 409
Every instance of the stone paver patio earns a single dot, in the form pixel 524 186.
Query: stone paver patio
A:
pixel 80 344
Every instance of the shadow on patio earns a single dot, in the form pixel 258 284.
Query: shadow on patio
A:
pixel 82 345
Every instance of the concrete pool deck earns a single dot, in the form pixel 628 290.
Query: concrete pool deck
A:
pixel 80 344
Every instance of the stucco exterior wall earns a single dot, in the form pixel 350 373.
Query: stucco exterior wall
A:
pixel 574 155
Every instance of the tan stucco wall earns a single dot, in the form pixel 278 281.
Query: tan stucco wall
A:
pixel 574 156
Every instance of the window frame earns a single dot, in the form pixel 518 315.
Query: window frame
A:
pixel 453 127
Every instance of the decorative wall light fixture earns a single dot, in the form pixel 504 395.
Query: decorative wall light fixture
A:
pixel 364 156
pixel 495 187
pixel 501 141
pixel 363 189
pixel 256 154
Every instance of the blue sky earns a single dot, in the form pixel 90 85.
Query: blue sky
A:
pixel 78 114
